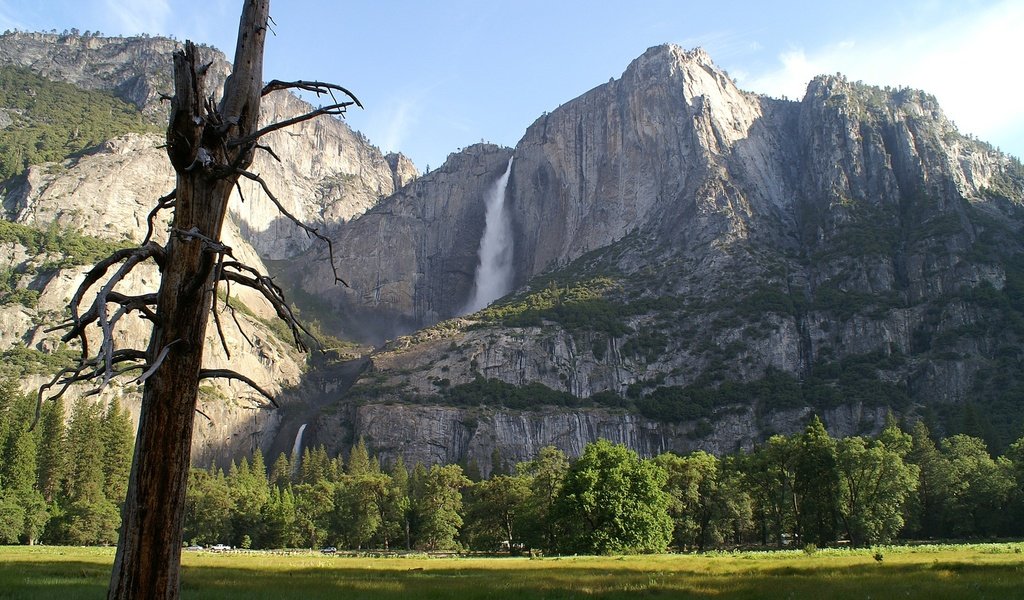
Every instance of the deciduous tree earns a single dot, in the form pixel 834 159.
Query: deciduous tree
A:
pixel 816 484
pixel 875 484
pixel 613 502
pixel 769 471
pixel 440 507
pixel 545 475
pixel 496 511
pixel 980 486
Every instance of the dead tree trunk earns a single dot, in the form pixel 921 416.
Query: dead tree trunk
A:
pixel 200 146
pixel 210 146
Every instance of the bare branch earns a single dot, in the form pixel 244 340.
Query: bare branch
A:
pixel 129 303
pixel 311 231
pixel 161 204
pixel 229 374
pixel 331 109
pixel 213 305
pixel 317 87
pixel 209 244
pixel 237 272
pixel 68 376
pixel 269 151
pixel 156 364
pixel 234 316
pixel 98 309
pixel 132 255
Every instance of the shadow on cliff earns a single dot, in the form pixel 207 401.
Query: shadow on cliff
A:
pixel 322 388
pixel 331 311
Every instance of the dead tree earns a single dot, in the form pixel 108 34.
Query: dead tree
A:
pixel 210 145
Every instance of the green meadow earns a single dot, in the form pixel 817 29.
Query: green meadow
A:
pixel 993 571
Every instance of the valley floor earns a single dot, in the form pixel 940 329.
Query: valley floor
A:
pixel 933 572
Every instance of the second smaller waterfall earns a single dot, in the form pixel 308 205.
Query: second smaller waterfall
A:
pixel 297 449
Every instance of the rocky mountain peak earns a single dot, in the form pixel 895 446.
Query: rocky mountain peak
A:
pixel 695 265
pixel 402 167
pixel 668 64
pixel 711 237
pixel 673 54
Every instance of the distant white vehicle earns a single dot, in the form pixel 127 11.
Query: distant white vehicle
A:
pixel 220 547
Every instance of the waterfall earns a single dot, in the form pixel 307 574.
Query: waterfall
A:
pixel 494 272
pixel 296 449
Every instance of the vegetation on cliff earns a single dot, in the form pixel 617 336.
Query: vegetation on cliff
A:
pixel 48 121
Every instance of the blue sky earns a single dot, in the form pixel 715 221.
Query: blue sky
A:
pixel 437 76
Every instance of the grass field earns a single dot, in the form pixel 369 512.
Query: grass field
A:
pixel 993 571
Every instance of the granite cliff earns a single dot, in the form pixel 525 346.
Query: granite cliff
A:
pixel 691 257
pixel 695 266
pixel 327 174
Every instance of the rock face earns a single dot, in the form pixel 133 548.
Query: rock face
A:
pixel 695 266
pixel 850 241
pixel 647 147
pixel 410 260
pixel 327 174
pixel 447 435
pixel 135 69
pixel 109 193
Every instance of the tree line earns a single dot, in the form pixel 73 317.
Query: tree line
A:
pixel 62 483
pixel 806 488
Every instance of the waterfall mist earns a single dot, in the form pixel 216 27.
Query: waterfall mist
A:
pixel 494 272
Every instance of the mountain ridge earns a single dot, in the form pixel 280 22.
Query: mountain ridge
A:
pixel 695 267
pixel 824 239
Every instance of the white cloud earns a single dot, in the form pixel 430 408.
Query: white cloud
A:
pixel 969 65
pixel 401 118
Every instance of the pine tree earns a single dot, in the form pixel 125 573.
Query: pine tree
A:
pixel 208 507
pixel 118 443
pixel 88 516
pixel 52 461
pixel 417 485
pixel 281 472
pixel 401 509
pixel 279 519
pixel 250 494
pixel 22 508
pixel 315 466
pixel 359 459
pixel 929 511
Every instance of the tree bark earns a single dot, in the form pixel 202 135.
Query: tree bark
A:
pixel 148 560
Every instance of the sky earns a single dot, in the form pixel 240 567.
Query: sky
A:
pixel 437 76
